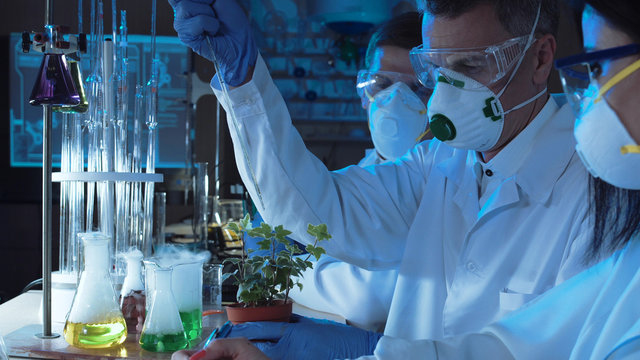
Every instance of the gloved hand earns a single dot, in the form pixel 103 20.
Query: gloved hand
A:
pixel 306 338
pixel 226 25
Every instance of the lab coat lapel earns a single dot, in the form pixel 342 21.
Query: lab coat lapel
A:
pixel 536 178
pixel 460 173
pixel 506 194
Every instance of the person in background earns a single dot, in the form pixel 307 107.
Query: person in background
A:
pixel 396 110
pixel 595 314
pixel 477 222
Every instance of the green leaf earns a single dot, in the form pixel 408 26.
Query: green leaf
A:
pixel 293 249
pixel 281 233
pixel 316 251
pixel 264 244
pixel 245 223
pixel 236 227
pixel 319 232
pixel 299 285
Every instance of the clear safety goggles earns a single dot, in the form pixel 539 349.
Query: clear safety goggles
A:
pixel 486 65
pixel 579 75
pixel 369 83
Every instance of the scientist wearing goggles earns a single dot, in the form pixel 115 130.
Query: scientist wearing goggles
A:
pixel 395 103
pixel 478 222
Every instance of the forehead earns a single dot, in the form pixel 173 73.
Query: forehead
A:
pixel 478 27
pixel 391 58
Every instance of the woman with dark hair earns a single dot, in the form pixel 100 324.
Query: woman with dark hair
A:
pixel 595 314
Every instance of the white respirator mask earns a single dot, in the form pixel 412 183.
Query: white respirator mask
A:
pixel 603 143
pixel 397 119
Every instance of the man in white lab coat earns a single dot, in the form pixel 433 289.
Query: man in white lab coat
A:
pixel 478 222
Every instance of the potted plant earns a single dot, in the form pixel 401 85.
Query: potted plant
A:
pixel 264 281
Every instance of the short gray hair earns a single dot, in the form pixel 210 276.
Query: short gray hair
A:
pixel 516 16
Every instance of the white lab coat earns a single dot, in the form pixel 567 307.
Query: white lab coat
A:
pixel 362 297
pixel 461 266
pixel 594 315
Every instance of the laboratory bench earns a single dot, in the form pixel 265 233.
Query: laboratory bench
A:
pixel 20 321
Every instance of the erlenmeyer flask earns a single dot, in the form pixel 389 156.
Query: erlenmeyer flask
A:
pixel 95 320
pixel 132 296
pixel 76 77
pixel 187 290
pixel 54 84
pixel 162 329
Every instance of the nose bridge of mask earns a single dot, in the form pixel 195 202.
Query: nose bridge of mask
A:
pixel 400 91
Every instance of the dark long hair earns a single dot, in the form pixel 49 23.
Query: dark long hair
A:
pixel 615 211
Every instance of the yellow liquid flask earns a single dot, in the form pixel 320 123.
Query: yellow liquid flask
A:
pixel 162 330
pixel 95 320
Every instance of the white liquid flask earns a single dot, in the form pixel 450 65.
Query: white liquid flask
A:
pixel 95 320
pixel 132 296
pixel 163 330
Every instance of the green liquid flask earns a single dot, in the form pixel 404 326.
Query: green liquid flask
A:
pixel 95 320
pixel 162 330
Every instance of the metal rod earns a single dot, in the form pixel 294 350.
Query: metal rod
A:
pixel 46 223
pixel 46 204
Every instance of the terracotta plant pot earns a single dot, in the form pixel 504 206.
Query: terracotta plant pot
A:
pixel 238 314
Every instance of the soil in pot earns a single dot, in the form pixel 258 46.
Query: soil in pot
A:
pixel 238 314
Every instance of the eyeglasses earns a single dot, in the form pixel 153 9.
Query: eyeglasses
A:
pixel 486 65
pixel 370 83
pixel 579 72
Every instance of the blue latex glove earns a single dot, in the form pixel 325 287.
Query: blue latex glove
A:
pixel 309 339
pixel 226 25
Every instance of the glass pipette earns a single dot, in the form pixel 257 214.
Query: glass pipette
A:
pixel 232 114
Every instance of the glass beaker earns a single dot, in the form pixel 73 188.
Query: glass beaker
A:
pixel 212 288
pixel 132 296
pixel 187 289
pixel 163 330
pixel 95 320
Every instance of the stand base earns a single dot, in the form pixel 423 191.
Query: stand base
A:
pixel 45 337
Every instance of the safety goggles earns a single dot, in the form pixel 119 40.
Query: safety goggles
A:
pixel 370 83
pixel 579 72
pixel 486 65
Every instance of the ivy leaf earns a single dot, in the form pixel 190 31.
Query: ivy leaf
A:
pixel 292 248
pixel 319 232
pixel 245 223
pixel 316 251
pixel 264 244
pixel 281 233
pixel 234 226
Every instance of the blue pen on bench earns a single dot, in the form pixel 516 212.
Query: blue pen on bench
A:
pixel 220 332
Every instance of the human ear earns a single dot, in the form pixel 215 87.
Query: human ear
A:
pixel 544 52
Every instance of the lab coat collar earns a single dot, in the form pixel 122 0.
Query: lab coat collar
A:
pixel 550 154
pixel 537 157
